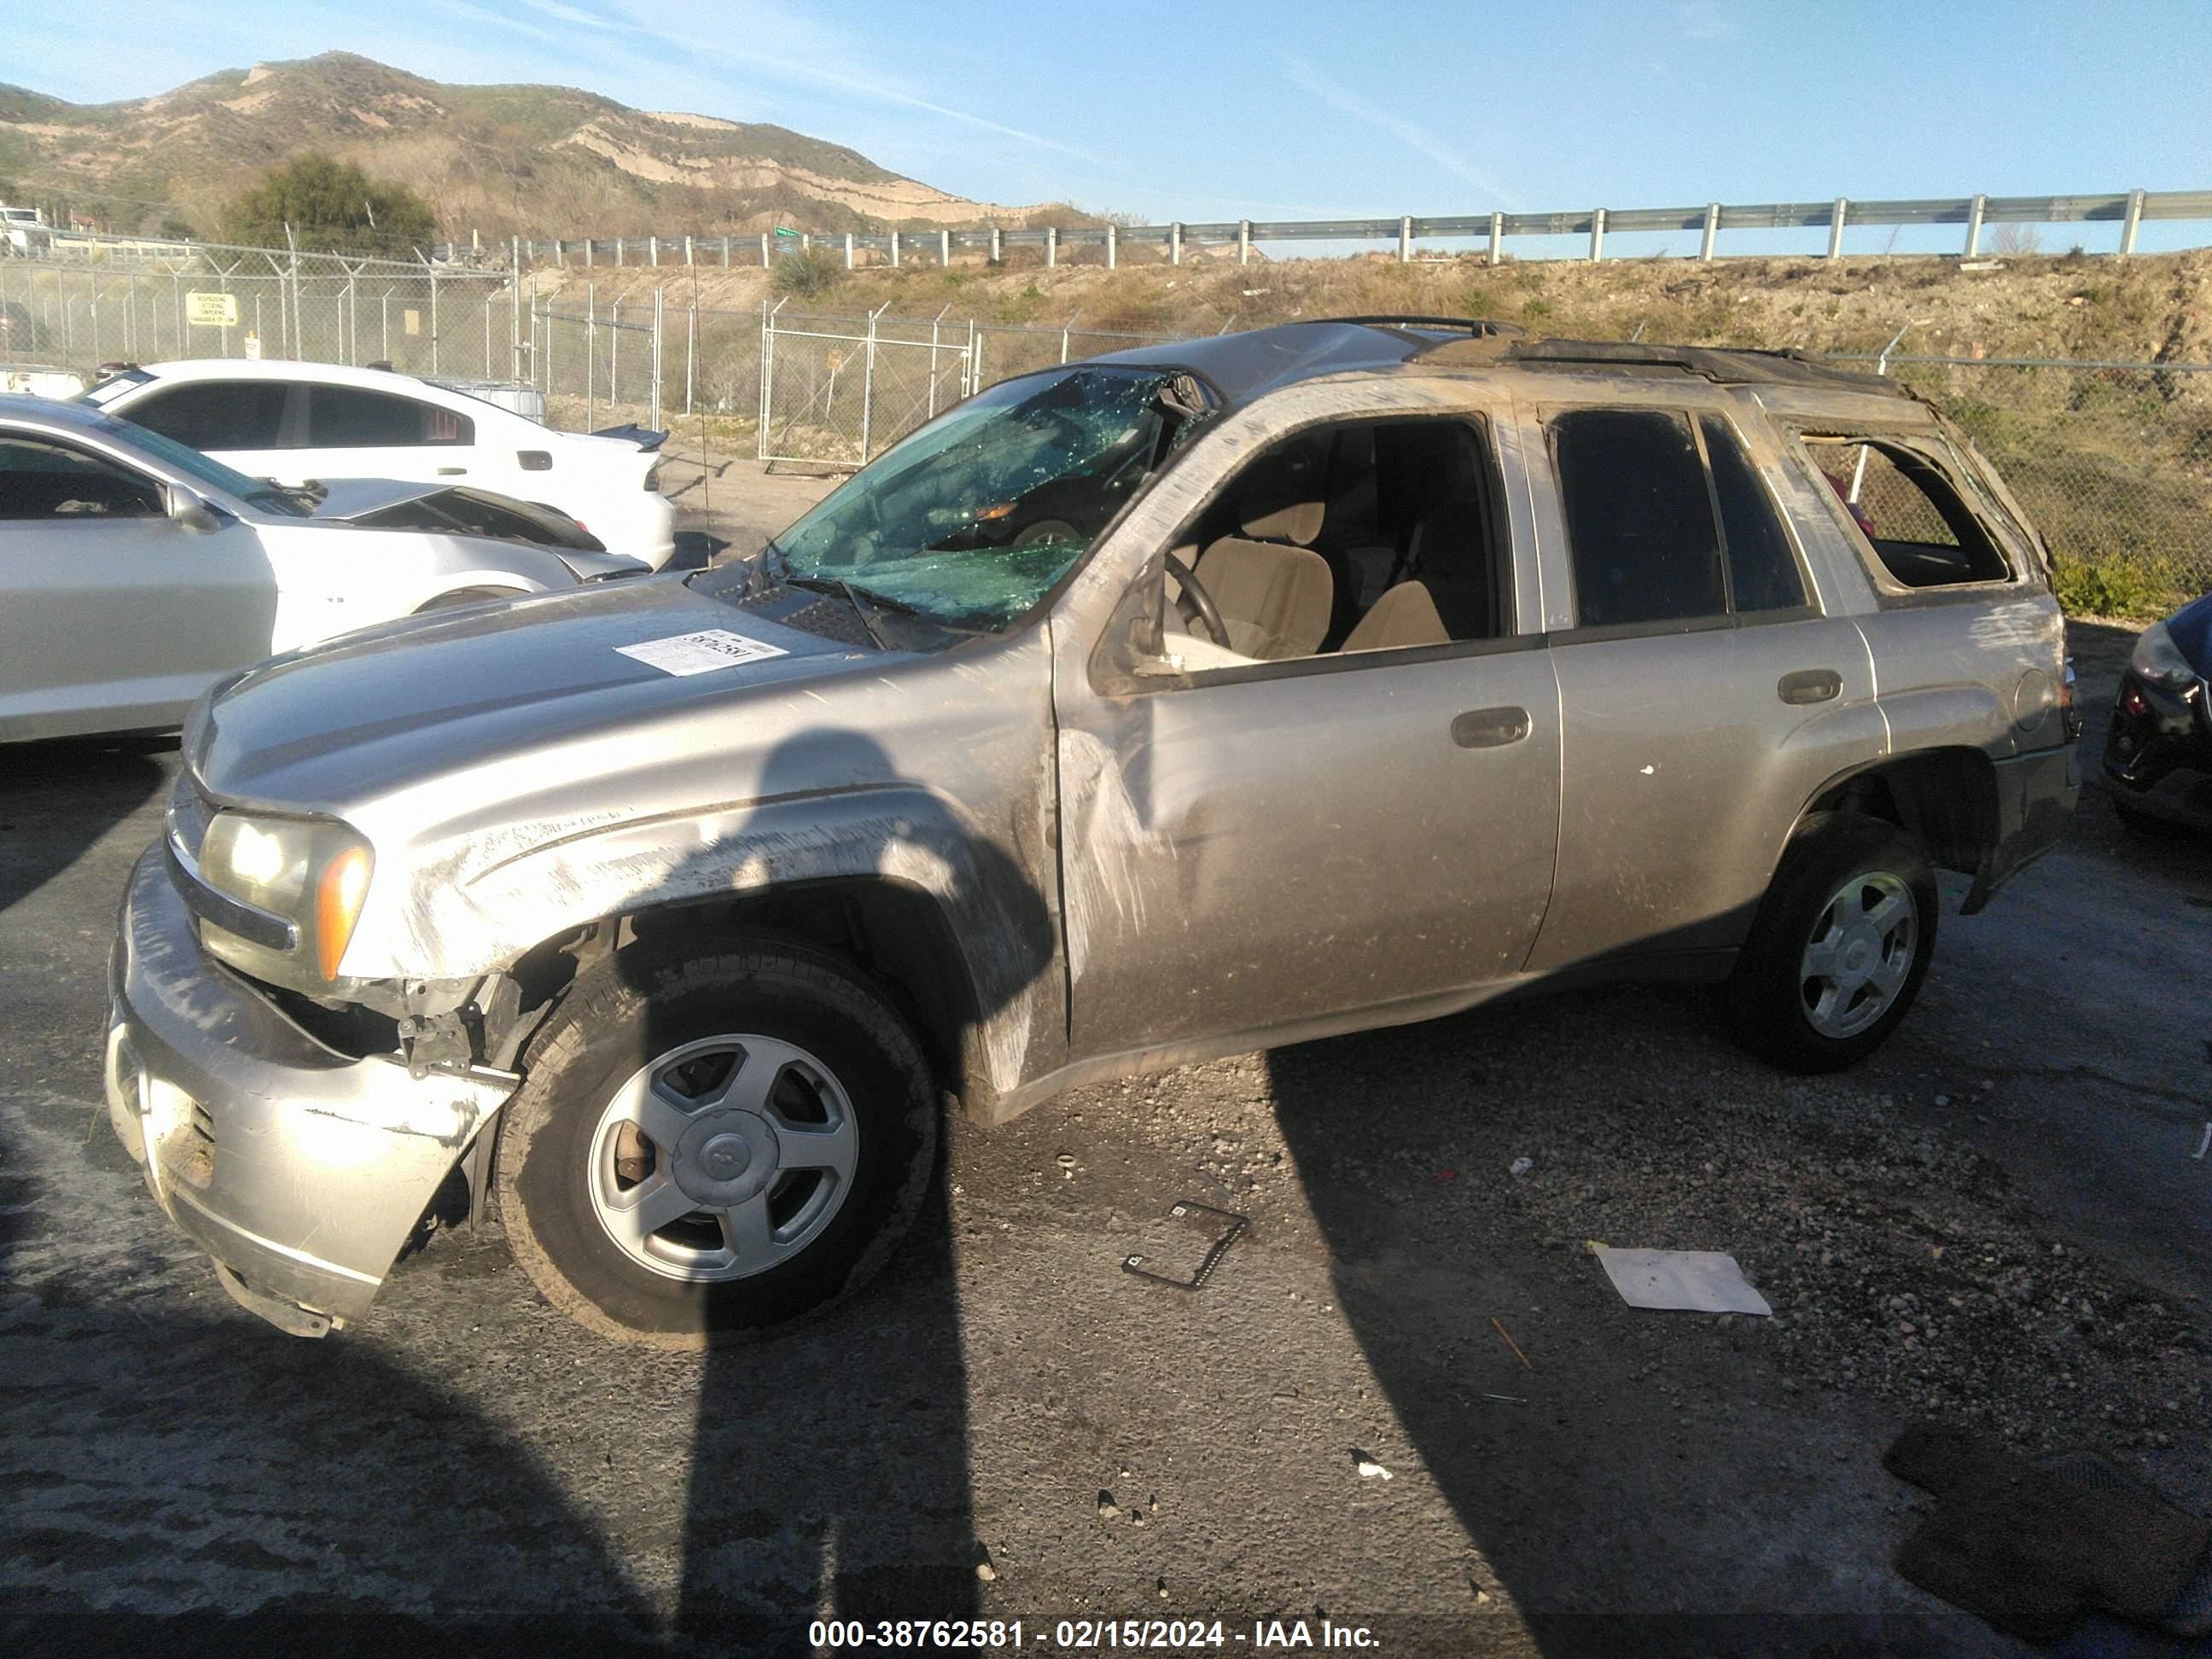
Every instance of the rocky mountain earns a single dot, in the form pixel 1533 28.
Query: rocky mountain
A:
pixel 534 159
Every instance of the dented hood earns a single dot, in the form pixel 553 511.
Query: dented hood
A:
pixel 358 716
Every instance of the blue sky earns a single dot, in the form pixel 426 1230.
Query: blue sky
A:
pixel 1211 109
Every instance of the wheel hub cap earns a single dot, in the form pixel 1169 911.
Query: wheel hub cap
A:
pixel 725 1156
pixel 1860 954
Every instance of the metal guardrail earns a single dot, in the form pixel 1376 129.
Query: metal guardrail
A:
pixel 2128 209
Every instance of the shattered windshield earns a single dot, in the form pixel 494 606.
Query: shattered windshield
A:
pixel 973 518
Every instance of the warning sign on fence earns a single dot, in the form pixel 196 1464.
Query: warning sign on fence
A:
pixel 211 310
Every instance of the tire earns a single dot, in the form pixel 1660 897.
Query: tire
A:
pixel 1836 886
pixel 461 596
pixel 635 1036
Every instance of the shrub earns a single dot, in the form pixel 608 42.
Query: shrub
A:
pixel 806 274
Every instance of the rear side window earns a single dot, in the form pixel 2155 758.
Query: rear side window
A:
pixel 350 417
pixel 1925 534
pixel 1763 573
pixel 1639 517
pixel 215 414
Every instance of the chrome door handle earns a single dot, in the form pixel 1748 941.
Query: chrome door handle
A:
pixel 1490 728
pixel 1809 685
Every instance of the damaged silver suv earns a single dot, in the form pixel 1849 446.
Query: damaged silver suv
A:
pixel 1169 705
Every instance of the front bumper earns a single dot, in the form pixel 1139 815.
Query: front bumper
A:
pixel 300 1169
pixel 2158 755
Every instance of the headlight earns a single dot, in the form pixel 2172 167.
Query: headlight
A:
pixel 312 873
pixel 2158 660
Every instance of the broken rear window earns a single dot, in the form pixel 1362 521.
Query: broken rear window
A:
pixel 1919 526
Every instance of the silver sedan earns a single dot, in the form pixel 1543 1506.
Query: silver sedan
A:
pixel 134 572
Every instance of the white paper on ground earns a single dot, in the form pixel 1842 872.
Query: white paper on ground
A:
pixel 697 654
pixel 1703 1281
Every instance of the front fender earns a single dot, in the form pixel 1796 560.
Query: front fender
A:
pixel 480 902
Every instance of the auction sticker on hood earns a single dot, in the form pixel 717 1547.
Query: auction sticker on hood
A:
pixel 700 652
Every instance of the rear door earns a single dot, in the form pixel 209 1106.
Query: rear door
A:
pixel 1705 693
pixel 353 432
pixel 113 615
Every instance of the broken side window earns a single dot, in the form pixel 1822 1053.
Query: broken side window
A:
pixel 1639 517
pixel 1922 531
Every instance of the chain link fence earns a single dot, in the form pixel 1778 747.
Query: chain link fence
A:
pixel 2113 459
pixel 462 324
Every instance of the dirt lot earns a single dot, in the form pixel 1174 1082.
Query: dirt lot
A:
pixel 1998 1222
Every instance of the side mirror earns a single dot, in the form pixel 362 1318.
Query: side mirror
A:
pixel 189 511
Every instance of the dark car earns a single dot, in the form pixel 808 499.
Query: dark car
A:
pixel 2158 759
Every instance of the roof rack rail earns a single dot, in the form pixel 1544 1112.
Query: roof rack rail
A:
pixel 1722 365
pixel 1479 328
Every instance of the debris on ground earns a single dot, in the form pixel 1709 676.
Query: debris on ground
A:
pixel 1368 1468
pixel 1521 1166
pixel 1695 1281
pixel 1509 1342
pixel 1851 1204
pixel 2028 1549
pixel 2205 1144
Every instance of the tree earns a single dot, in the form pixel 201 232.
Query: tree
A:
pixel 330 206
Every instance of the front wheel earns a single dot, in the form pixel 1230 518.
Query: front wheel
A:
pixel 709 1145
pixel 1842 943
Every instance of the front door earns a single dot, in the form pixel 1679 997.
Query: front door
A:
pixel 111 614
pixel 1268 848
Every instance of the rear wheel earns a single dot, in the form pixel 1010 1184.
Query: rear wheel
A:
pixel 713 1145
pixel 1842 943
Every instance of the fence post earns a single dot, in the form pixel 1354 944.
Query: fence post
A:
pixel 659 299
pixel 945 260
pixel 2128 224
pixel 767 259
pixel 1052 245
pixel 726 251
pixel 591 349
pixel 691 349
pixel 433 315
pixel 975 359
pixel 687 250
pixel 652 250
pixel 1597 234
pixel 1712 228
pixel 894 260
pixel 848 249
pixel 967 368
pixel 620 243
pixel 1404 241
pixel 1836 227
pixel 868 371
pixel 1174 242
pixel 1066 329
pixel 1497 236
pixel 1974 210
pixel 1243 241
pixel 514 315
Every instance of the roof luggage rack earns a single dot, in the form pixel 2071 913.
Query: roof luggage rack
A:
pixel 1477 328
pixel 1723 366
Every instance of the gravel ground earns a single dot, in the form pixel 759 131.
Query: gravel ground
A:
pixel 1996 1222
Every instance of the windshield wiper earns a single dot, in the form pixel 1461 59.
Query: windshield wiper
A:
pixel 863 607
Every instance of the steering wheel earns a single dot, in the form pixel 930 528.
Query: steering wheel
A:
pixel 1195 605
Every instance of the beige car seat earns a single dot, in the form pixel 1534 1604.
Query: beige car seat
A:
pixel 1405 616
pixel 1274 592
